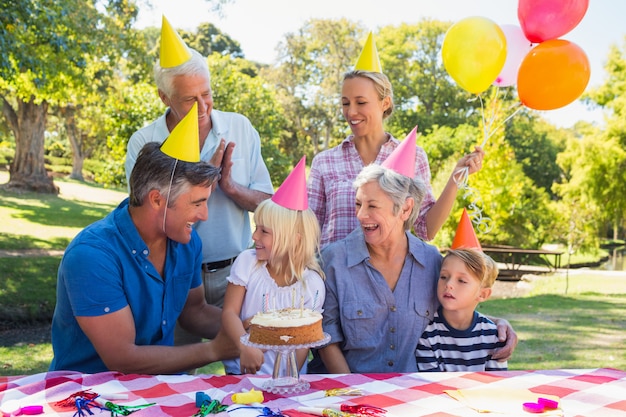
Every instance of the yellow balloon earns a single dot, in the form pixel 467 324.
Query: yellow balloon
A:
pixel 474 53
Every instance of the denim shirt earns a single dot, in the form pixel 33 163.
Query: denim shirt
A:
pixel 378 329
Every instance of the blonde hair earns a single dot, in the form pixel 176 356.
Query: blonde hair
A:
pixel 296 235
pixel 480 265
pixel 382 85
pixel 491 273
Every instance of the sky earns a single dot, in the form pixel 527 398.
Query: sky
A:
pixel 259 26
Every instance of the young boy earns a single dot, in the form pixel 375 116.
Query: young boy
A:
pixel 460 338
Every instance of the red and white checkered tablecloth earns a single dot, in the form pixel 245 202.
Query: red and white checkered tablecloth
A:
pixel 582 392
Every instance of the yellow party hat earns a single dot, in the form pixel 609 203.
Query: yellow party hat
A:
pixel 173 49
pixel 368 60
pixel 183 142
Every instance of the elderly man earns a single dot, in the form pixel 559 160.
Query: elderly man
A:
pixel 226 139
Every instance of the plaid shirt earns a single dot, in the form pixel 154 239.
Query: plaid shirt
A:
pixel 332 197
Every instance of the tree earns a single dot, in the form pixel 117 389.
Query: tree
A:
pixel 49 44
pixel 536 144
pixel 505 205
pixel 207 39
pixel 582 215
pixel 424 93
pixel 308 79
pixel 235 90
pixel 127 109
pixel 608 169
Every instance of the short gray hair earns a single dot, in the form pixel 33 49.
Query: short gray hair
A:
pixel 164 77
pixel 397 186
pixel 155 170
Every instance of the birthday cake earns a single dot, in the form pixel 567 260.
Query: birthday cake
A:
pixel 289 326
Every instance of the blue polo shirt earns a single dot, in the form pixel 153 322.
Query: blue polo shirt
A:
pixel 378 329
pixel 106 268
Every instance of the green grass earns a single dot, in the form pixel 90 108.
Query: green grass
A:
pixel 28 288
pixel 25 359
pixel 34 220
pixel 563 323
pixel 42 221
pixel 580 328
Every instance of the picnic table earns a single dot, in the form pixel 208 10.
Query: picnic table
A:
pixel 578 392
pixel 518 261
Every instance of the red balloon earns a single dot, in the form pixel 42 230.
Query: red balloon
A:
pixel 552 75
pixel 542 20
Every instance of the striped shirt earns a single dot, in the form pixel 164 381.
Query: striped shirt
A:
pixel 444 348
pixel 332 196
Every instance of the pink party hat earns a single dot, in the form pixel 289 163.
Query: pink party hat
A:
pixel 402 159
pixel 292 193
pixel 465 236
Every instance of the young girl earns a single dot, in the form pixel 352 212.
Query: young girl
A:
pixel 281 271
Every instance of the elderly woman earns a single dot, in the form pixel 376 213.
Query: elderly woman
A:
pixel 381 280
pixel 367 100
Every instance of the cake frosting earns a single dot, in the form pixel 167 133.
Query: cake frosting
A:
pixel 289 326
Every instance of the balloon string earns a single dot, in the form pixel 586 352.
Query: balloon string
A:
pixel 169 190
pixel 483 223
pixel 519 107
pixel 488 131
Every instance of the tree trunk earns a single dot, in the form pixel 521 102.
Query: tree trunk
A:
pixel 74 136
pixel 28 170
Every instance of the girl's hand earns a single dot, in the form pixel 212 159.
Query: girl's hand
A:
pixel 246 324
pixel 251 360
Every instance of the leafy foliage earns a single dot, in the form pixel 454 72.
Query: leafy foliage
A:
pixel 47 44
pixel 424 93
pixel 536 145
pixel 58 57
pixel 509 208
pixel 603 157
pixel 234 90
pixel 308 77
pixel 208 39
pixel 538 184
pixel 131 107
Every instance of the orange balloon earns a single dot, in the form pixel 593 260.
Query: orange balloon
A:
pixel 552 75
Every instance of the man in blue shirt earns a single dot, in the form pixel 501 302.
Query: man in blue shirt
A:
pixel 126 280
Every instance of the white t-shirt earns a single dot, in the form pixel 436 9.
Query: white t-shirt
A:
pixel 262 294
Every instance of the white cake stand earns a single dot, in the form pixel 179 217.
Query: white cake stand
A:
pixel 287 381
